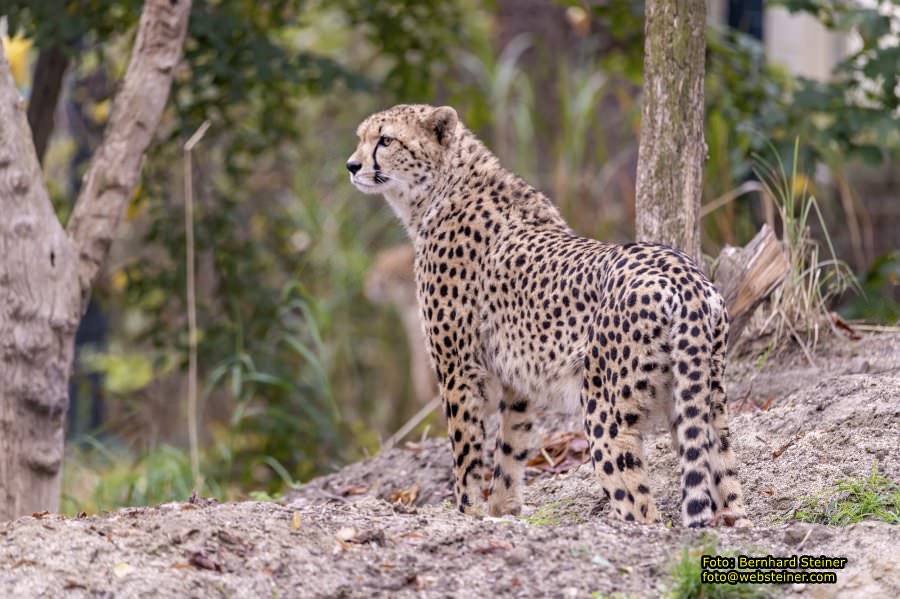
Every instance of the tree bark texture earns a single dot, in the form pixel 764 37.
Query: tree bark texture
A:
pixel 46 273
pixel 746 276
pixel 672 148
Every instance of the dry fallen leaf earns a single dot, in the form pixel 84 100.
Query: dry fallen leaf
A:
pixel 295 520
pixel 345 535
pixel 39 515
pixel 348 535
pixel 199 560
pixel 122 569
pixel 844 326
pixel 493 546
pixel 405 496
pixel 561 452
pixel 413 538
pixel 354 490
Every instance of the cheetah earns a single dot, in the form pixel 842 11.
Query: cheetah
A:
pixel 518 309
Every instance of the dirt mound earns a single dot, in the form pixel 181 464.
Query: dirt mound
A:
pixel 384 527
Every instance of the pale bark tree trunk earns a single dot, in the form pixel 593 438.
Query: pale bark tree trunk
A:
pixel 672 148
pixel 46 273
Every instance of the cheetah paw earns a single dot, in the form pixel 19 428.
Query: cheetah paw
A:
pixel 730 519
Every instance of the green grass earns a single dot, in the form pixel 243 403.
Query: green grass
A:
pixel 685 577
pixel 800 307
pixel 101 477
pixel 555 513
pixel 854 499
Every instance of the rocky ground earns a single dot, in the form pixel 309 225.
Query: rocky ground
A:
pixel 384 527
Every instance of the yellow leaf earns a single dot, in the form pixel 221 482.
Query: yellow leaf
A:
pixel 122 569
pixel 135 206
pixel 100 111
pixel 17 49
pixel 802 186
pixel 295 521
pixel 119 280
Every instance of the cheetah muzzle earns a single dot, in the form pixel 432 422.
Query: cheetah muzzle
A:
pixel 516 308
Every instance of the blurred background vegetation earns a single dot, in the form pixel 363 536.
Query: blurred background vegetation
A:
pixel 299 371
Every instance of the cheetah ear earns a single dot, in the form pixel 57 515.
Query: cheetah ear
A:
pixel 442 124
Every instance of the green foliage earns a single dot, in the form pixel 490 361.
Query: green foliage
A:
pixel 300 372
pixel 101 477
pixel 880 285
pixel 249 56
pixel 854 114
pixel 686 577
pixel 285 328
pixel 852 500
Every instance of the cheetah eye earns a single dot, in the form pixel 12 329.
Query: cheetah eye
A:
pixel 385 141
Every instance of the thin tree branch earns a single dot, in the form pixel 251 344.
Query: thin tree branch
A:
pixel 193 417
pixel 48 76
pixel 137 109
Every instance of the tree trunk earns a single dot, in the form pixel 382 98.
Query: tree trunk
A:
pixel 38 318
pixel 46 275
pixel 672 148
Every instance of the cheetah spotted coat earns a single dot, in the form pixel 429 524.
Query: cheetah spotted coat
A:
pixel 519 310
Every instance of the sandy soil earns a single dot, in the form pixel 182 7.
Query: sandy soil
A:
pixel 384 527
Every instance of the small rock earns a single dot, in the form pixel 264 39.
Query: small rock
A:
pixel 795 534
pixel 516 556
pixel 602 562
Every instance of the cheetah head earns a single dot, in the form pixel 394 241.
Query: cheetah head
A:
pixel 401 149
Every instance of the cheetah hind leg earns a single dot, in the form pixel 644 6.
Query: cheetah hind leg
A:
pixel 514 443
pixel 711 492
pixel 730 502
pixel 617 451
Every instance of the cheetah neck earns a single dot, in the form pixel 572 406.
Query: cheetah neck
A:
pixel 469 171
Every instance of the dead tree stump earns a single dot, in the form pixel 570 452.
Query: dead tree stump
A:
pixel 748 275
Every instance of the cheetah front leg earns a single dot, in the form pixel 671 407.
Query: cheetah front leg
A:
pixel 514 443
pixel 464 406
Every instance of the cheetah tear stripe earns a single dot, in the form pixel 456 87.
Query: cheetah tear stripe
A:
pixel 518 311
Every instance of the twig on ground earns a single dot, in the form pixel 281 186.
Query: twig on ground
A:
pixel 801 543
pixel 783 448
pixel 412 423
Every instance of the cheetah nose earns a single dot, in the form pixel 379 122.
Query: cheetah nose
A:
pixel 353 166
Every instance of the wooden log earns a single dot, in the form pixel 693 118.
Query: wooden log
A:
pixel 748 275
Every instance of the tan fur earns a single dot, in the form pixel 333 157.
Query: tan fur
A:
pixel 513 299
